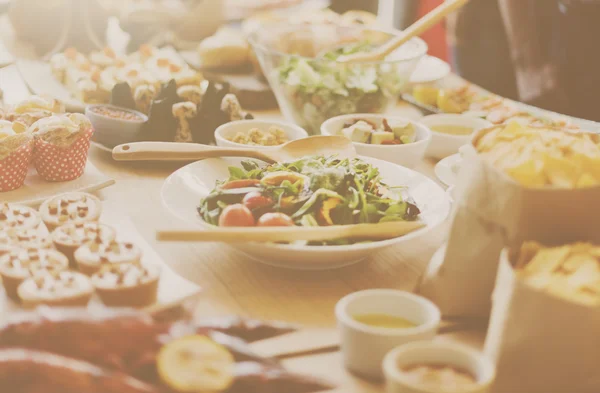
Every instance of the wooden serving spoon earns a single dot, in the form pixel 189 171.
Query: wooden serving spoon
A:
pixel 385 230
pixel 416 29
pixel 172 151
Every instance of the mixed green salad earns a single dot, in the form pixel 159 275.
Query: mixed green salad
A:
pixel 313 191
pixel 321 88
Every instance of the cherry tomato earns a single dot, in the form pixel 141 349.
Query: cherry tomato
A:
pixel 240 184
pixel 275 220
pixel 236 215
pixel 256 200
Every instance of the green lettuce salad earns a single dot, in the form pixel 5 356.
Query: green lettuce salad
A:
pixel 318 89
pixel 315 191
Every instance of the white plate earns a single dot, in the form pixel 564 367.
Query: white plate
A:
pixel 102 147
pixel 36 189
pixel 38 76
pixel 430 69
pixel 444 171
pixel 183 190
pixel 126 231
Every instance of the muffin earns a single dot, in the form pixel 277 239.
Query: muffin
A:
pixel 69 237
pixel 92 256
pixel 127 285
pixel 60 289
pixel 16 149
pixel 14 217
pixel 61 146
pixel 74 207
pixel 22 263
pixel 24 238
pixel 35 108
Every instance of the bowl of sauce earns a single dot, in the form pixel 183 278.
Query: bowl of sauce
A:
pixel 437 367
pixel 373 322
pixel 451 131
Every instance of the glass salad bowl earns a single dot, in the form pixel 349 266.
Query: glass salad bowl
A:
pixel 310 83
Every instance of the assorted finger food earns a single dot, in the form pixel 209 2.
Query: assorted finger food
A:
pixel 495 109
pixel 314 191
pixel 62 255
pixel 130 352
pixel 571 271
pixel 390 132
pixel 38 131
pixel 542 156
pixel 273 136
pixel 92 78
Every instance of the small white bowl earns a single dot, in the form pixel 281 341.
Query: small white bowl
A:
pixel 229 130
pixel 437 353
pixel 112 132
pixel 407 155
pixel 444 145
pixel 364 347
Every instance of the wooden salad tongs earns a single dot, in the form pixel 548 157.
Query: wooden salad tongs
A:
pixel 380 231
pixel 296 149
pixel 419 27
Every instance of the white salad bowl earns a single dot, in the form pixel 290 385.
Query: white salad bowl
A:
pixel 408 155
pixel 229 130
pixel 444 145
pixel 184 189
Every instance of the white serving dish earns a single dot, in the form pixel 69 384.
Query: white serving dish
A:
pixel 363 347
pixel 443 145
pixel 437 353
pixel 408 155
pixel 183 190
pixel 229 130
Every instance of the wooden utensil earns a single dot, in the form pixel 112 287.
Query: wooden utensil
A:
pixel 416 29
pixel 379 231
pixel 171 151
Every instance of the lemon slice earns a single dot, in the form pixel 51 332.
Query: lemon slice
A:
pixel 195 364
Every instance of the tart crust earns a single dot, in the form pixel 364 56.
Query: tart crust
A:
pixel 64 288
pixel 69 237
pixel 127 285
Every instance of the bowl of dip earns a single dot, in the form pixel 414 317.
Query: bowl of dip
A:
pixel 373 322
pixel 450 131
pixel 437 367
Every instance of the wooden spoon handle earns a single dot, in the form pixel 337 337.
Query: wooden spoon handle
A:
pixel 172 151
pixel 418 28
pixel 287 234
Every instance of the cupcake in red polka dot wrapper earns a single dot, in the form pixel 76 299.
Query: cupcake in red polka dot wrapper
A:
pixel 16 149
pixel 61 146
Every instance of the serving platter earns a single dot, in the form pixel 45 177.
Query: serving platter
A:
pixel 127 231
pixel 182 191
pixel 36 189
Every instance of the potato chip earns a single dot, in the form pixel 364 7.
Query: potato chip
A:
pixel 541 156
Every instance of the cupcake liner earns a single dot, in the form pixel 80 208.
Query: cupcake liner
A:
pixel 14 168
pixel 57 164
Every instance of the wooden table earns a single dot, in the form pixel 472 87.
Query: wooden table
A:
pixel 233 284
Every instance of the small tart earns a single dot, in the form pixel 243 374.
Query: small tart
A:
pixel 69 237
pixel 21 263
pixel 24 238
pixel 65 288
pixel 73 207
pixel 127 285
pixel 17 217
pixel 93 255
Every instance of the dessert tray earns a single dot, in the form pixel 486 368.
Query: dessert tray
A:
pixel 125 233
